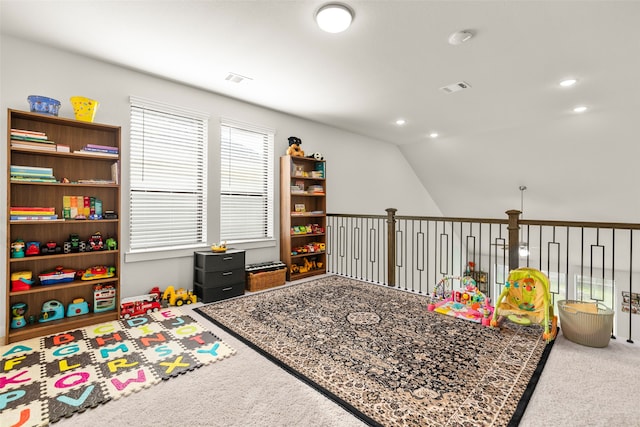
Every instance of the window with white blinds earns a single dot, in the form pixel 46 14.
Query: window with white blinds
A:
pixel 246 182
pixel 168 152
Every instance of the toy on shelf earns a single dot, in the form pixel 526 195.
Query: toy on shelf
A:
pixel 294 149
pixel 32 248
pixel 95 242
pixel 104 298
pixel 525 299
pixel 77 307
pixel 18 311
pixel 17 249
pixel 51 310
pixel 50 248
pixel 98 272
pixel 178 297
pixel 74 245
pixel 21 281
pixel 111 244
pixel 139 305
pixel 57 275
pixel 467 304
pixel 219 248
pixel 310 264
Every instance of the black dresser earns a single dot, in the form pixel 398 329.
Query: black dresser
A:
pixel 218 275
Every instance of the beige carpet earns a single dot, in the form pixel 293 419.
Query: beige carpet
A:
pixel 580 386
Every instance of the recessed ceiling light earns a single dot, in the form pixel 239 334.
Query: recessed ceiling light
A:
pixel 433 135
pixel 580 109
pixel 460 37
pixel 334 17
pixel 568 82
pixel 401 122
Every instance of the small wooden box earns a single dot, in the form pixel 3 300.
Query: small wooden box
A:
pixel 266 279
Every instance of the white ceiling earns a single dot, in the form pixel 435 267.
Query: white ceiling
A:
pixel 391 64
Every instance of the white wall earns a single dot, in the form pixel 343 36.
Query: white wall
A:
pixel 363 175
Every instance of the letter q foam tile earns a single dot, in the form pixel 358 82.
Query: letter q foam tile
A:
pixel 45 379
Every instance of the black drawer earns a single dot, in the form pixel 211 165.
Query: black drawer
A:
pixel 218 293
pixel 211 261
pixel 210 279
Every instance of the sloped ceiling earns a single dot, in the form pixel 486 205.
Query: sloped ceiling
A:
pixel 514 126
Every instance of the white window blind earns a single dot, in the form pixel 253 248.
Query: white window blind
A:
pixel 168 177
pixel 246 182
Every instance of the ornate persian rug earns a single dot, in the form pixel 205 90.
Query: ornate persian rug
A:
pixel 48 378
pixel 379 352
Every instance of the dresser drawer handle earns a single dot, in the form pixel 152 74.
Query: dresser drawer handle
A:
pixel 228 258
pixel 227 273
pixel 227 289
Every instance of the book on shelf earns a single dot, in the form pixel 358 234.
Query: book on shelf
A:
pixel 63 148
pixel 31 210
pixel 96 153
pixel 26 132
pixel 96 147
pixel 96 181
pixel 41 139
pixel 26 145
pixel 115 172
pixel 33 217
pixel 100 150
pixel 33 179
pixel 34 170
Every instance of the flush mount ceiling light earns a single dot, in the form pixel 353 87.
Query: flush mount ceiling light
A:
pixel 580 109
pixel 401 122
pixel 568 82
pixel 334 17
pixel 433 135
pixel 460 37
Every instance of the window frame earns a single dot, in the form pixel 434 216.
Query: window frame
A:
pixel 200 153
pixel 268 219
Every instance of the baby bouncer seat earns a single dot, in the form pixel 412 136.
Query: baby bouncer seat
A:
pixel 525 299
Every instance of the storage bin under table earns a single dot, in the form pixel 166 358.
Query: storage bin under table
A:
pixel 218 275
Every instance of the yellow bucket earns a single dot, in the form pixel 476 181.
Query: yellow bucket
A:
pixel 84 108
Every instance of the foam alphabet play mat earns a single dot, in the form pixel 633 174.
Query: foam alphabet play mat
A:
pixel 45 379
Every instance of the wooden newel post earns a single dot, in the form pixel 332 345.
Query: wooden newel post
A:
pixel 514 238
pixel 391 246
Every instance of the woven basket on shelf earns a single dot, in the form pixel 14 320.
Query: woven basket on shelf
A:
pixel 586 323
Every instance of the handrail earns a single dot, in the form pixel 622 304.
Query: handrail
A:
pixel 594 260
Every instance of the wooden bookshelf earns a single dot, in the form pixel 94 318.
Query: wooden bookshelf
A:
pixel 72 167
pixel 303 204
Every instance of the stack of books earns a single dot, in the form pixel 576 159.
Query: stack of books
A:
pixel 32 213
pixel 31 140
pixel 315 189
pixel 99 150
pixel 31 174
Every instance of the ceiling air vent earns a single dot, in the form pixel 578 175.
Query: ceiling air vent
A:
pixel 455 87
pixel 236 78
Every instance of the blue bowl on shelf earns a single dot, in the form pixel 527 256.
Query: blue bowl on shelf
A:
pixel 43 105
